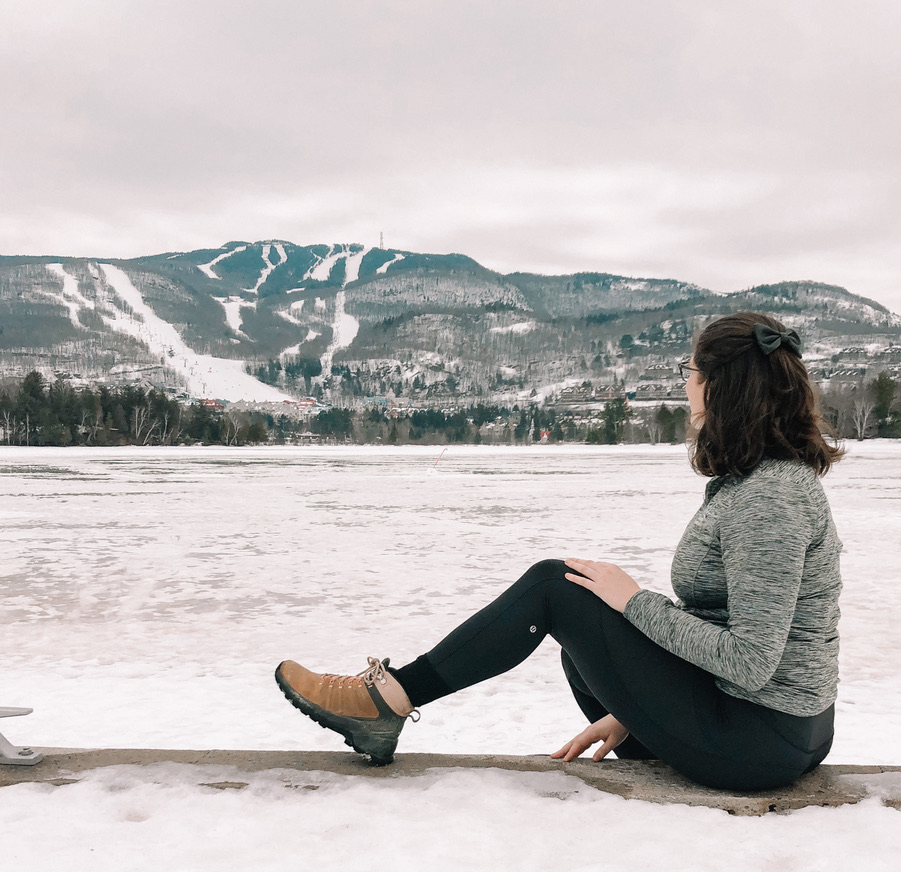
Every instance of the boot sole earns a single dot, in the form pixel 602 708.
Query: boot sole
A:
pixel 330 721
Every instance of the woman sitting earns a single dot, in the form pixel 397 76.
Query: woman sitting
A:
pixel 734 684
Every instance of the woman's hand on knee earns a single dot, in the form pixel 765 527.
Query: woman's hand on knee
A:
pixel 606 580
pixel 607 730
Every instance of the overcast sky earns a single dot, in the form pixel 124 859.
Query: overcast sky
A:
pixel 724 143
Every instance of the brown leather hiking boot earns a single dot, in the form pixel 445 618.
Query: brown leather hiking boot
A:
pixel 368 709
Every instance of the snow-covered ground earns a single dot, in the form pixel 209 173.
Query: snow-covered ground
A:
pixel 207 268
pixel 344 327
pixel 157 819
pixel 288 316
pixel 293 350
pixel 146 596
pixel 268 265
pixel 71 297
pixel 202 374
pixel 292 312
pixel 233 306
pixel 205 375
pixel 384 267
pixel 321 269
pixel 352 265
pixel 520 327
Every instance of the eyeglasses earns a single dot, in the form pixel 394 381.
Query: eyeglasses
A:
pixel 685 370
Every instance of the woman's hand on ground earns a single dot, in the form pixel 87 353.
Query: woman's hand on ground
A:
pixel 614 586
pixel 607 730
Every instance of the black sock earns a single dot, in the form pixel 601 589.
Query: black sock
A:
pixel 421 682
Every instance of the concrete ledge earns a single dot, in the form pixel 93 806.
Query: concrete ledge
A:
pixel 647 780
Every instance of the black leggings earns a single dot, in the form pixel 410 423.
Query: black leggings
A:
pixel 673 710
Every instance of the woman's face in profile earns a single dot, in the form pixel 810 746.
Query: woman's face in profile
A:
pixel 694 390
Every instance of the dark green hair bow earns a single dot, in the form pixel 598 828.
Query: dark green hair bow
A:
pixel 769 339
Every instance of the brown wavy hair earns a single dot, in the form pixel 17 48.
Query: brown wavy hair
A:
pixel 756 405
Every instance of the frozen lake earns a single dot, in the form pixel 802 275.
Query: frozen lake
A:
pixel 147 594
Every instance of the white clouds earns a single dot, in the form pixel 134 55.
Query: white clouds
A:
pixel 723 143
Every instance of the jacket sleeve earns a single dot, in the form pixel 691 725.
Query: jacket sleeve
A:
pixel 765 527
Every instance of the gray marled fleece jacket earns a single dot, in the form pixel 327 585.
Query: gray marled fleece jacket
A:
pixel 757 577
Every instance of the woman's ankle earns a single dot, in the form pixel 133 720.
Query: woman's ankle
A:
pixel 421 681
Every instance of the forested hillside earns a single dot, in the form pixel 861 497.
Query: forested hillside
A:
pixel 274 320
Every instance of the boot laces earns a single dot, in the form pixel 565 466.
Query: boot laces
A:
pixel 377 670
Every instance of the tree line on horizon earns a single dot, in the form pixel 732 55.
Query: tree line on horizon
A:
pixel 36 412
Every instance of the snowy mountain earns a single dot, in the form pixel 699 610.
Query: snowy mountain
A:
pixel 257 320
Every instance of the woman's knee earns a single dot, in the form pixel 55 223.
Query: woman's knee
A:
pixel 564 602
pixel 542 578
pixel 546 569
pixel 547 579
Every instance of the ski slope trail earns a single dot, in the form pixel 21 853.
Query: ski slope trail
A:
pixel 233 307
pixel 352 266
pixel 71 296
pixel 203 374
pixel 344 327
pixel 270 266
pixel 207 268
pixel 320 272
pixel 384 267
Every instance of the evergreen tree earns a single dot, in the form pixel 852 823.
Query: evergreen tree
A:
pixel 616 413
pixel 30 408
pixel 883 389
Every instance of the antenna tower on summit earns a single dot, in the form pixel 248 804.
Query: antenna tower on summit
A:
pixel 381 240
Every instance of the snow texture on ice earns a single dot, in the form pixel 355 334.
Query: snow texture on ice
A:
pixel 130 575
pixel 148 594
